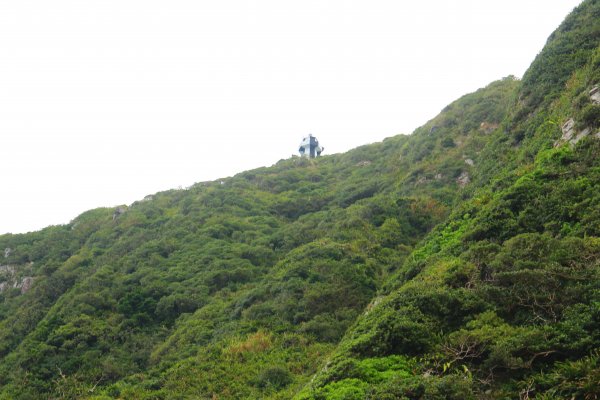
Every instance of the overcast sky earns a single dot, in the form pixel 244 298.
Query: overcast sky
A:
pixel 103 102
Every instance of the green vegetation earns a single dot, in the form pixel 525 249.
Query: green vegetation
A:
pixel 459 262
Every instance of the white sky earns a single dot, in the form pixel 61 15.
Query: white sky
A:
pixel 105 101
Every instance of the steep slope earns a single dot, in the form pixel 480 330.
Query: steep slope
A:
pixel 458 262
pixel 503 299
pixel 229 278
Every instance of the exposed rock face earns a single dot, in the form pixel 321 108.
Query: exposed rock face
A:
pixel 568 130
pixel 8 269
pixel 7 252
pixel 580 135
pixel 570 134
pixel 470 162
pixel 10 279
pixel 363 163
pixel 118 211
pixel 7 274
pixel 438 176
pixel 595 94
pixel 26 284
pixel 463 179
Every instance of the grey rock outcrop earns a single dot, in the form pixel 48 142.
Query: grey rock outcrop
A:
pixel 25 284
pixel 463 179
pixel 568 130
pixel 595 94
pixel 118 212
pixel 7 269
pixel 571 135
pixel 7 252
pixel 9 275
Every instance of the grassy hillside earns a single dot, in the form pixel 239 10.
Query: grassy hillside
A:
pixel 461 262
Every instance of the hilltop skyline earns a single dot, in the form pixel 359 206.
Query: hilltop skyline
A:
pixel 103 104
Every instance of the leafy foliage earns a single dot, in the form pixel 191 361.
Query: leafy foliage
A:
pixel 459 262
